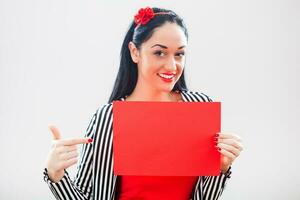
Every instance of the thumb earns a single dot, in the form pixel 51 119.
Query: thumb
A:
pixel 55 132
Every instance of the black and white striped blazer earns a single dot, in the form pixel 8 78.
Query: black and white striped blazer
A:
pixel 95 178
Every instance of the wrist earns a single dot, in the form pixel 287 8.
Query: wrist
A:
pixel 225 169
pixel 55 176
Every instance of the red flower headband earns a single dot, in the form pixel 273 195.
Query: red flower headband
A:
pixel 145 15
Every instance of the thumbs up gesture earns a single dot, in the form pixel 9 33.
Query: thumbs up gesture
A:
pixel 63 154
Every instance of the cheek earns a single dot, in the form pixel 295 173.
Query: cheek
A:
pixel 149 71
pixel 151 67
pixel 180 68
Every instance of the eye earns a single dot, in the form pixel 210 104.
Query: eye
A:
pixel 181 54
pixel 159 53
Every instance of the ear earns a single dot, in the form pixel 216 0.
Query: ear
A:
pixel 134 52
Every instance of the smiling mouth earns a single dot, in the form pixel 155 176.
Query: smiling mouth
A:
pixel 166 76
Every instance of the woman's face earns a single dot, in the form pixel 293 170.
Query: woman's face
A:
pixel 163 53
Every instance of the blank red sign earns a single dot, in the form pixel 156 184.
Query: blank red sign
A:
pixel 166 138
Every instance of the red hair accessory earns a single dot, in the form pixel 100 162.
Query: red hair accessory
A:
pixel 145 15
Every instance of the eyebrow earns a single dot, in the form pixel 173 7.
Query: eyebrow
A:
pixel 165 47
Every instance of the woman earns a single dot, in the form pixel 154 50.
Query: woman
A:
pixel 151 69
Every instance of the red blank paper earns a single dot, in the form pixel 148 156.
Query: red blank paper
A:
pixel 166 138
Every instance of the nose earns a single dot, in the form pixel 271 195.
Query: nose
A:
pixel 171 64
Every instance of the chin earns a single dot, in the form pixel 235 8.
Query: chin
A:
pixel 167 88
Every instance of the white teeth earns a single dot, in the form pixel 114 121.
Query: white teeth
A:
pixel 166 76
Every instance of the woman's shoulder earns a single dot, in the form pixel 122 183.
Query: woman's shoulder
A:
pixel 196 96
pixel 107 107
pixel 103 110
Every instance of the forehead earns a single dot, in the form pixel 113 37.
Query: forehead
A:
pixel 169 34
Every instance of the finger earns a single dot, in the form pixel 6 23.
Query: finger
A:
pixel 63 148
pixel 69 163
pixel 55 132
pixel 69 155
pixel 75 141
pixel 229 148
pixel 232 142
pixel 70 142
pixel 228 154
pixel 229 135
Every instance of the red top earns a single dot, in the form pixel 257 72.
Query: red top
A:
pixel 155 187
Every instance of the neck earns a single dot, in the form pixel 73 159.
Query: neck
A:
pixel 144 92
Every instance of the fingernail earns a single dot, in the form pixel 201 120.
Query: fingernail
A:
pixel 219 149
pixel 90 140
pixel 215 139
pixel 217 134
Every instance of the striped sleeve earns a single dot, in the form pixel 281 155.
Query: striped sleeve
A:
pixel 81 187
pixel 213 186
pixel 209 187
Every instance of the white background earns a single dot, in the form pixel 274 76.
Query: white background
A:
pixel 59 59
